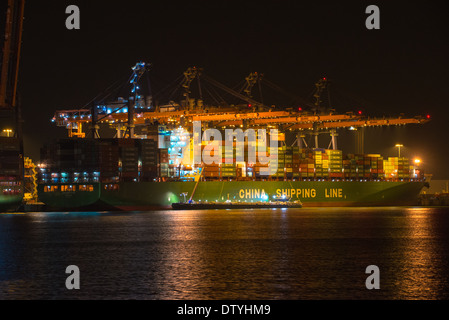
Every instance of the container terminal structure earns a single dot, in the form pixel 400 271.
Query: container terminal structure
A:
pixel 11 142
pixel 152 159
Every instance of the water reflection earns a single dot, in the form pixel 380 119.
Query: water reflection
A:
pixel 207 258
pixel 420 273
pixel 310 253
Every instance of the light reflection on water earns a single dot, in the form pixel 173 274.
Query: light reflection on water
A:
pixel 421 276
pixel 308 253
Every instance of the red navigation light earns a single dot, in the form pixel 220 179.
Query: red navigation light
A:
pixel 360 112
pixel 428 116
pixel 299 109
pixel 249 105
pixel 324 78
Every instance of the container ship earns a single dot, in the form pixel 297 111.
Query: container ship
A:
pixel 156 158
pixel 147 163
pixel 134 174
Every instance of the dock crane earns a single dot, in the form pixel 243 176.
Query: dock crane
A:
pixel 10 107
pixel 9 74
pixel 251 80
pixel 191 74
pixel 138 70
pixel 11 54
pixel 299 121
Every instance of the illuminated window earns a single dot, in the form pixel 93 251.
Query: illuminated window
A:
pixel 84 187
pixel 111 187
pixel 67 188
pixel 50 188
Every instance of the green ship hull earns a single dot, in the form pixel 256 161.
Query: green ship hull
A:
pixel 10 203
pixel 155 195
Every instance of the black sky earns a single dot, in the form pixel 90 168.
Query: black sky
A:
pixel 401 68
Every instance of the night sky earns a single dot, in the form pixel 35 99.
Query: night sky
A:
pixel 401 68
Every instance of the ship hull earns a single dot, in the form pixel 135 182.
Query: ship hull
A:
pixel 10 203
pixel 132 196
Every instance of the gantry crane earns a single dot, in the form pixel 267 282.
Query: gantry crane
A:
pixel 190 74
pixel 10 107
pixel 30 181
pixel 11 54
pixel 299 121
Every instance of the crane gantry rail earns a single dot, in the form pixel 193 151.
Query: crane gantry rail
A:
pixel 296 120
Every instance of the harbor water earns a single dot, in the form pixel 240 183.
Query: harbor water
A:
pixel 266 254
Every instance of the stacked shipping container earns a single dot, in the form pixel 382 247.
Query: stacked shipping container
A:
pixel 11 163
pixel 363 166
pixel 399 168
pixel 111 160
pixel 105 160
pixel 11 167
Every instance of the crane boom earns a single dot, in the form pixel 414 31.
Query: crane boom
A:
pixel 222 117
pixel 11 53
